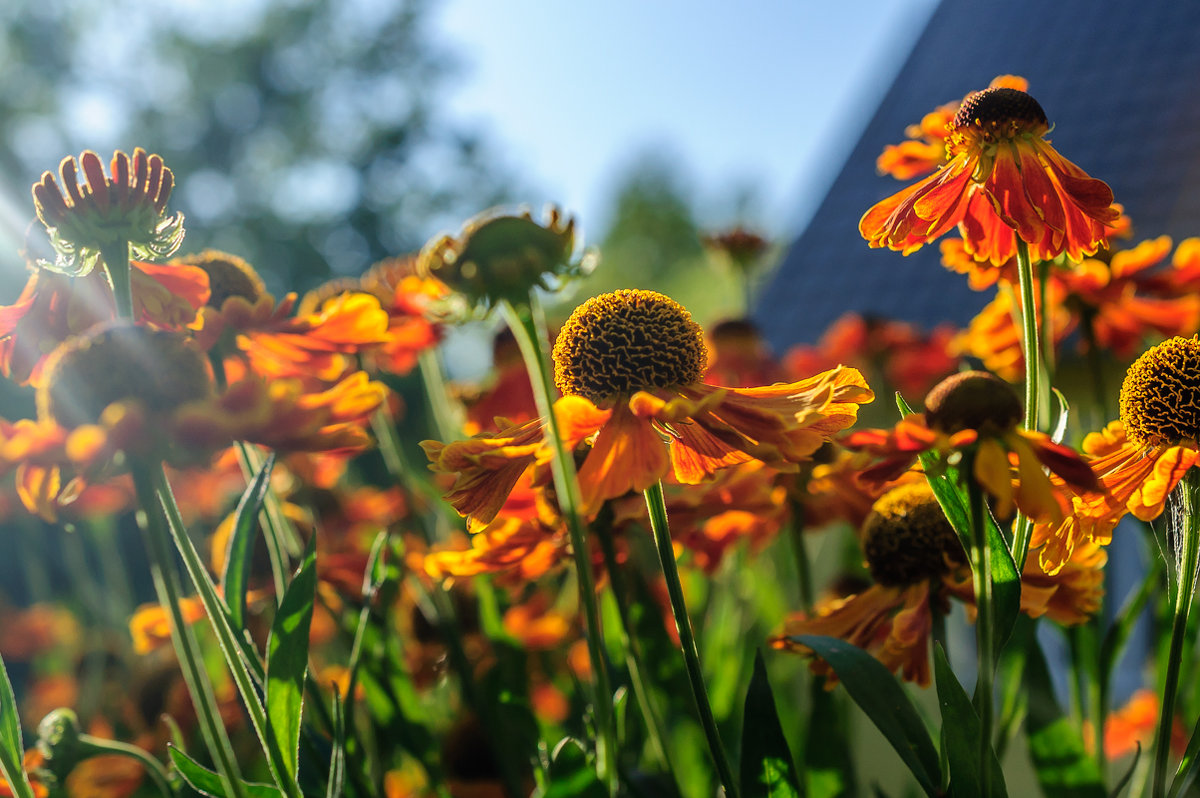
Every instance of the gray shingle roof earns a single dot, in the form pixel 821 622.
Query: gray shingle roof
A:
pixel 1120 82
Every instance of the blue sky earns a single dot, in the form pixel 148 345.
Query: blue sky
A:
pixel 768 95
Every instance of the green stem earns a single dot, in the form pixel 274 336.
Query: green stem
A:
pixel 633 656
pixel 236 655
pixel 1185 586
pixel 800 550
pixel 116 261
pixel 166 585
pixel 1031 344
pixel 271 517
pixel 982 573
pixel 97 746
pixel 530 331
pixel 657 507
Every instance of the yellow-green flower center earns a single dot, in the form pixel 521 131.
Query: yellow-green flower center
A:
pixel 1160 398
pixel 972 400
pixel 999 110
pixel 630 340
pixel 116 363
pixel 907 539
pixel 228 276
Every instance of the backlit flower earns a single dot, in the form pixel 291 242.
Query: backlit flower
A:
pixel 917 563
pixel 1141 458
pixel 1003 179
pixel 1120 297
pixel 629 365
pixel 148 393
pixel 129 205
pixel 502 257
pixel 54 307
pixel 244 325
pixel 911 361
pixel 977 412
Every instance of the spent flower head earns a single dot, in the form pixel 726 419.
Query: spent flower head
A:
pixel 127 205
pixel 501 257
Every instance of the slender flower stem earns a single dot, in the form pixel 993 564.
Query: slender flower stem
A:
pixel 1031 344
pixel 982 573
pixel 800 549
pixel 633 656
pixel 1187 556
pixel 657 507
pixel 236 656
pixel 98 746
pixel 530 331
pixel 116 260
pixel 166 584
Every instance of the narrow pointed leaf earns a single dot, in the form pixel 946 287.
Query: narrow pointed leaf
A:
pixel 571 774
pixel 236 578
pixel 337 759
pixel 828 765
pixel 1062 764
pixel 12 747
pixel 287 660
pixel 960 734
pixel 205 782
pixel 1006 581
pixel 768 769
pixel 880 696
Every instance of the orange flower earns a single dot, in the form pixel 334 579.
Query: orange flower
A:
pixel 127 388
pixel 32 762
pixel 1139 459
pixel 629 365
pixel 739 357
pixel 150 625
pixel 1002 180
pixel 917 562
pixel 925 149
pixel 977 411
pixel 1134 724
pixel 510 394
pixel 54 307
pixel 129 207
pixel 243 324
pixel 745 502
pixel 995 339
pixel 1125 296
pixel 910 360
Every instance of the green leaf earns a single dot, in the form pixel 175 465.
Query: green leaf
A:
pixel 1123 782
pixel 12 747
pixel 768 769
pixel 287 660
pixel 206 782
pixel 828 766
pixel 571 774
pixel 946 481
pixel 241 543
pixel 880 696
pixel 1064 412
pixel 337 760
pixel 960 734
pixel 1062 765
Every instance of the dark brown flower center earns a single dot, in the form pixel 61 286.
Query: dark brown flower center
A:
pixel 972 400
pixel 116 363
pixel 907 539
pixel 627 341
pixel 997 108
pixel 1160 398
pixel 228 276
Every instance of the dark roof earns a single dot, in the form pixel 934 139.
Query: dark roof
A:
pixel 1120 82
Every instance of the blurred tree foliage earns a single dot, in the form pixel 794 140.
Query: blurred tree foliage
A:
pixel 654 242
pixel 304 136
